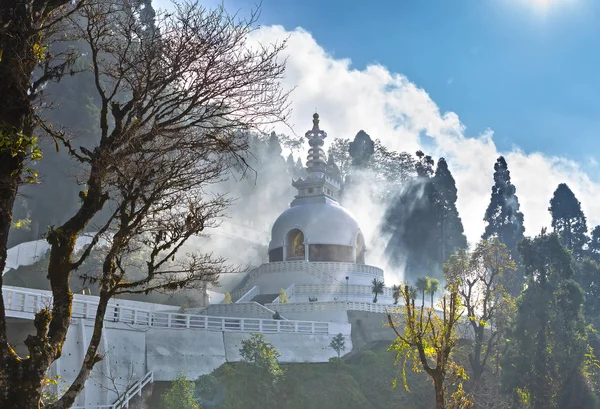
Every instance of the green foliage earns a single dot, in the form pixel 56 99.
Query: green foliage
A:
pixel 422 286
pixel 23 147
pixel 262 370
pixel 434 287
pixel 396 293
pixel 504 220
pixel 368 357
pixel 377 287
pixel 21 224
pixel 594 244
pixel 427 340
pixel 587 275
pixel 180 395
pixel 52 388
pixel 544 362
pixel 423 222
pixel 568 220
pixel 355 384
pixel 371 159
pixel 338 344
pixel 263 355
pixel 451 232
pixel 487 305
pixel 208 388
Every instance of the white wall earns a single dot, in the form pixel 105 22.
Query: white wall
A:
pixel 199 352
pixel 129 353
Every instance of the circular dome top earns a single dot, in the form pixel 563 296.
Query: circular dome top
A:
pixel 321 223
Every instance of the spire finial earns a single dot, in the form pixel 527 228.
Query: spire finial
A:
pixel 315 122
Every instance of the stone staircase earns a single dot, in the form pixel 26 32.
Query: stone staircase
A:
pixel 263 299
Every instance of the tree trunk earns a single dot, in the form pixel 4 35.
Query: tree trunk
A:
pixel 20 380
pixel 438 383
pixel 25 389
pixel 476 361
pixel 16 67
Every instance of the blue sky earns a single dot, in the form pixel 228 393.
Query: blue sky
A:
pixel 421 70
pixel 528 72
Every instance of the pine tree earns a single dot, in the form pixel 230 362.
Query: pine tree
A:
pixel 503 218
pixel 568 220
pixel 504 221
pixel 451 232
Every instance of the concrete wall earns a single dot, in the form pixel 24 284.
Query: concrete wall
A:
pixel 271 283
pixel 369 327
pixel 124 362
pixel 189 351
pixel 199 352
pixel 323 316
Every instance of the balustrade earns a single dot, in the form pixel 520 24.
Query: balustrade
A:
pixel 30 302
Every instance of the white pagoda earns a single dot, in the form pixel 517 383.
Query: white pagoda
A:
pixel 316 267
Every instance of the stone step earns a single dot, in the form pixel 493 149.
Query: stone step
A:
pixel 265 298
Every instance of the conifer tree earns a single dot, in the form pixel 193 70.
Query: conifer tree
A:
pixel 568 220
pixel 424 222
pixel 412 222
pixel 504 221
pixel 503 218
pixel 451 231
pixel 544 363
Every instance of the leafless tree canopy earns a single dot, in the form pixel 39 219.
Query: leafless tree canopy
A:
pixel 178 94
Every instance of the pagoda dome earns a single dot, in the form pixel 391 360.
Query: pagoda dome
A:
pixel 316 227
pixel 321 223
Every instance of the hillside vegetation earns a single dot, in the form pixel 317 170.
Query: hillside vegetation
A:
pixel 361 381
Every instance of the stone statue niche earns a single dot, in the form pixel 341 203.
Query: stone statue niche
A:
pixel 361 149
pixel 295 243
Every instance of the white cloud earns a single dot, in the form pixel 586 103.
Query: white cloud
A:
pixel 390 107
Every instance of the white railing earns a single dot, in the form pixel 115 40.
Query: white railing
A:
pixel 289 293
pixel 31 302
pixel 319 269
pixel 315 270
pixel 341 289
pixel 237 294
pixel 233 310
pixel 249 295
pixel 333 306
pixel 123 401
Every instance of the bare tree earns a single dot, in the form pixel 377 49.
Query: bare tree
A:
pixel 484 297
pixel 177 95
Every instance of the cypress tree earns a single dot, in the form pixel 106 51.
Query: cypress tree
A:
pixel 504 221
pixel 451 231
pixel 503 218
pixel 568 220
